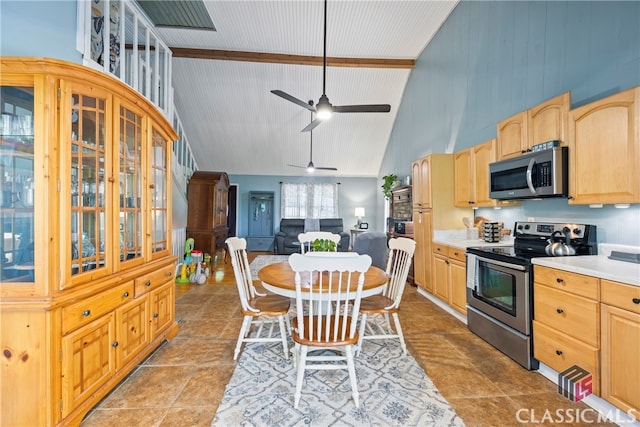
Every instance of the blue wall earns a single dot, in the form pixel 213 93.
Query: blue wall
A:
pixel 352 193
pixel 493 59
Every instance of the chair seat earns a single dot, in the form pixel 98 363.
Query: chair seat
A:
pixel 323 341
pixel 269 305
pixel 376 304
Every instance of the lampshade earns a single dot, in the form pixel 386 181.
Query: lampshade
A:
pixel 359 212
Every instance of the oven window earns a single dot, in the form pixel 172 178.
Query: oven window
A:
pixel 496 287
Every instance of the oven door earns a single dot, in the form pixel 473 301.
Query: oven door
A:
pixel 500 290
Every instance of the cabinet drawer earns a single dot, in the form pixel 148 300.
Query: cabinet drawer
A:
pixel 570 314
pixel 457 253
pixel 561 352
pixel 83 312
pixel 441 249
pixel 153 280
pixel 620 295
pixel 578 284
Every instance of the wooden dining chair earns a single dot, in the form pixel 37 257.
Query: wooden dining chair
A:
pixel 328 294
pixel 307 239
pixel 258 309
pixel 375 310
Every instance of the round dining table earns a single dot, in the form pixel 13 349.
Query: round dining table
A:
pixel 279 278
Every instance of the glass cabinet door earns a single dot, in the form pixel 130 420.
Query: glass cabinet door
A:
pixel 88 154
pixel 159 202
pixel 130 180
pixel 17 187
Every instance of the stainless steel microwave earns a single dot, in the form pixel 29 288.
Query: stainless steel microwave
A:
pixel 534 175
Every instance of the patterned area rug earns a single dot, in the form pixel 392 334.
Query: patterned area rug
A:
pixel 394 391
pixel 262 260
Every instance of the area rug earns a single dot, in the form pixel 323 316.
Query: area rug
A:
pixel 394 391
pixel 262 260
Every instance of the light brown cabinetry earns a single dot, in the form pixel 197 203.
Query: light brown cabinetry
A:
pixel 604 150
pixel 620 310
pixel 545 122
pixel 449 276
pixel 74 324
pixel 566 323
pixel 472 175
pixel 433 180
pixel 207 199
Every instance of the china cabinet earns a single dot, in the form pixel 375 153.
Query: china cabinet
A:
pixel 87 286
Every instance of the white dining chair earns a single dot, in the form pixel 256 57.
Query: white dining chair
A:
pixel 328 294
pixel 307 239
pixel 261 310
pixel 375 309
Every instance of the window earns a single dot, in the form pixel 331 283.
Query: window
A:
pixel 309 200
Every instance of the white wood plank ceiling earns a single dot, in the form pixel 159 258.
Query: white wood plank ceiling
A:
pixel 235 124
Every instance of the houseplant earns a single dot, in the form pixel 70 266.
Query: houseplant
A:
pixel 387 184
pixel 323 245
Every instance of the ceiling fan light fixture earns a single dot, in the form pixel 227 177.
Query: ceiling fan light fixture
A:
pixel 310 168
pixel 324 109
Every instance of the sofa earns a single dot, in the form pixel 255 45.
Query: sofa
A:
pixel 287 238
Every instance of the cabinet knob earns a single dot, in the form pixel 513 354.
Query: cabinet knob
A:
pixel 126 294
pixel 559 280
pixel 147 283
pixel 155 315
pixel 559 310
pixel 447 262
pixel 86 313
pixel 152 186
pixel 169 273
pixel 636 300
pixel 559 352
pixel 115 344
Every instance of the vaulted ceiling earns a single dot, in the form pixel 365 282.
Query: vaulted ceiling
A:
pixel 223 79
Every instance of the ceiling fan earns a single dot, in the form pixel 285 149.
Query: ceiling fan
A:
pixel 311 167
pixel 324 108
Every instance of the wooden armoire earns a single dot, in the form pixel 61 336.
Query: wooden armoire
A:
pixel 207 209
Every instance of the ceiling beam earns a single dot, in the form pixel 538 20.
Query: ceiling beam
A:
pixel 278 58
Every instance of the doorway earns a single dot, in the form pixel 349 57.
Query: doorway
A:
pixel 232 217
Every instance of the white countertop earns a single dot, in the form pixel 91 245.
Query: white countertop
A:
pixel 598 265
pixel 458 239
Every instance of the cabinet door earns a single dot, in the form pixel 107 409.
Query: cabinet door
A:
pixel 441 277
pixel 133 329
pixel 483 154
pixel 162 314
pixel 160 195
pixel 422 257
pixel 129 195
pixel 417 187
pixel 512 134
pixel 547 121
pixel 87 361
pixel 464 196
pixel 604 147
pixel 620 367
pixel 18 187
pixel 458 281
pixel 86 221
pixel 421 186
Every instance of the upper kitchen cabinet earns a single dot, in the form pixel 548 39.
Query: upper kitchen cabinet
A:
pixel 546 121
pixel 420 176
pixel 604 153
pixel 87 286
pixel 471 167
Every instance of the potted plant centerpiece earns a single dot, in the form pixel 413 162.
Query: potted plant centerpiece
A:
pixel 323 245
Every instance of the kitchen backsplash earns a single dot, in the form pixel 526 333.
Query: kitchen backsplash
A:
pixel 619 226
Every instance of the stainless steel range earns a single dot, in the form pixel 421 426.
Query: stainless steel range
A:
pixel 500 283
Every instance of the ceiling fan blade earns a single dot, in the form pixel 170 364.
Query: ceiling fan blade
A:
pixel 327 169
pixel 372 108
pixel 311 126
pixel 296 166
pixel 293 99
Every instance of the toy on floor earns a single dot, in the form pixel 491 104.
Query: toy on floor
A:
pixel 184 266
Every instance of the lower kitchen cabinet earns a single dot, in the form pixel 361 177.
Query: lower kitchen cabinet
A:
pixel 620 310
pixel 441 272
pixel 450 276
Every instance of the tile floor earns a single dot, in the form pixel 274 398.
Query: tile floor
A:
pixel 183 381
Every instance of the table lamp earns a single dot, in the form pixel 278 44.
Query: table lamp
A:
pixel 360 214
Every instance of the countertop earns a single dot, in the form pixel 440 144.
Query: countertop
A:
pixel 458 239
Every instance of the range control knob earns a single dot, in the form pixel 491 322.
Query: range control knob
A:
pixel 577 231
